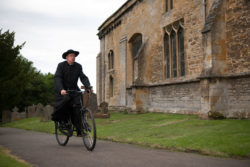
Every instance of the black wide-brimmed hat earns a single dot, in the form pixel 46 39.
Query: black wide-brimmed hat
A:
pixel 69 52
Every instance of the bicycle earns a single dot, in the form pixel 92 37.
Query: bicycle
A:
pixel 64 130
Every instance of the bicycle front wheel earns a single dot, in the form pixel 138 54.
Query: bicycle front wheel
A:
pixel 89 130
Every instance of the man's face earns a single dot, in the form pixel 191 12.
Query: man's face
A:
pixel 70 58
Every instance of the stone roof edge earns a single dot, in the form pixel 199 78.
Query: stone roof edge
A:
pixel 210 20
pixel 119 12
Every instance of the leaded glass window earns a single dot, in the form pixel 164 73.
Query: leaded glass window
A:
pixel 166 5
pixel 181 51
pixel 173 44
pixel 111 59
pixel 136 44
pixel 169 5
pixel 111 87
pixel 174 54
pixel 166 46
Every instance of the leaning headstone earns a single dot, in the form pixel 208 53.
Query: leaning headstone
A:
pixel 32 111
pixel 46 113
pixel 104 111
pixel 15 109
pixel 15 114
pixel 39 109
pixel 22 115
pixel 26 112
pixel 104 107
pixel 85 99
pixel 92 103
pixel 6 116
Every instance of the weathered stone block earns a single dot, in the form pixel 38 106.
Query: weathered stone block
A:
pixel 15 115
pixel 104 107
pixel 46 113
pixel 6 116
pixel 39 109
pixel 31 112
pixel 92 104
pixel 215 115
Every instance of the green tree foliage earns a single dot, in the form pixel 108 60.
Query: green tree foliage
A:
pixel 20 83
pixel 11 70
pixel 40 89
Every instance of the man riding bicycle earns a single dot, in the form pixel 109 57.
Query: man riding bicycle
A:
pixel 66 77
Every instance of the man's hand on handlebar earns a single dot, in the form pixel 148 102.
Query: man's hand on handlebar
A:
pixel 63 92
pixel 90 90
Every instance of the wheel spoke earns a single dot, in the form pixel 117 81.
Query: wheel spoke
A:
pixel 89 138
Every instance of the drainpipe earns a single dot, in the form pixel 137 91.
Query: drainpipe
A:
pixel 204 11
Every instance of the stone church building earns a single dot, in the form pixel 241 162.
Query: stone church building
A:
pixel 177 56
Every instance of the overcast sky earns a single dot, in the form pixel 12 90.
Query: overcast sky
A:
pixel 50 27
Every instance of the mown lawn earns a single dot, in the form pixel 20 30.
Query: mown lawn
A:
pixel 226 138
pixel 8 161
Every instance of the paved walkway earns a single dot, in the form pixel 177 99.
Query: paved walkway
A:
pixel 42 150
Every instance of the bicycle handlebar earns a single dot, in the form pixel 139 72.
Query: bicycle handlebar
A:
pixel 77 91
pixel 73 91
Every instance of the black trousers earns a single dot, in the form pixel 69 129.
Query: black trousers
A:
pixel 74 106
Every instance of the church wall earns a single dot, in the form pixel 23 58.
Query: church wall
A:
pixel 217 62
pixel 238 36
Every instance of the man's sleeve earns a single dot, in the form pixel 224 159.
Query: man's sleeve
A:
pixel 58 78
pixel 84 79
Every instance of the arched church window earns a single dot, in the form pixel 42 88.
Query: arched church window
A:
pixel 167 54
pixel 181 51
pixel 111 59
pixel 169 5
pixel 136 44
pixel 111 86
pixel 174 55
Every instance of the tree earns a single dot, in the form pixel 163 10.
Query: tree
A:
pixel 21 84
pixel 13 69
pixel 40 89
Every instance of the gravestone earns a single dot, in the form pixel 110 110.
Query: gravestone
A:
pixel 39 109
pixel 15 109
pixel 46 113
pixel 22 115
pixel 6 116
pixel 92 103
pixel 104 107
pixel 32 111
pixel 15 115
pixel 104 111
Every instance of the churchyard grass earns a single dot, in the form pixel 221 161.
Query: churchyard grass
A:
pixel 8 160
pixel 33 124
pixel 174 132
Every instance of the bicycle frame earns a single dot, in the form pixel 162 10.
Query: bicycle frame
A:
pixel 88 127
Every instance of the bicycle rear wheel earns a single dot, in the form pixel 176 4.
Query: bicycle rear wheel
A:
pixel 89 129
pixel 63 132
